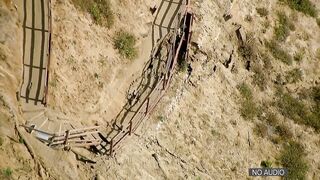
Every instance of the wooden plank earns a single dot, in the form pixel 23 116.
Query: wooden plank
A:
pixel 74 136
pixel 76 141
pixel 33 129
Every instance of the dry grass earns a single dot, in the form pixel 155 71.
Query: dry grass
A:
pixel 100 10
pixel 248 108
pixel 292 157
pixel 294 75
pixel 278 53
pixel 263 12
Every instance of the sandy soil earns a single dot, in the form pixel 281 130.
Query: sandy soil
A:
pixel 197 131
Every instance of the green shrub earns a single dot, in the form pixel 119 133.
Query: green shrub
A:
pixel 291 107
pixel 125 43
pixel 294 76
pixel 21 140
pixel 1 141
pixel 294 109
pixel 298 57
pixel 248 108
pixel 304 6
pixel 100 10
pixel 282 30
pixel 245 91
pixel 292 157
pixel 7 172
pixel 263 12
pixel 183 65
pixel 95 12
pixel 278 53
pixel 266 164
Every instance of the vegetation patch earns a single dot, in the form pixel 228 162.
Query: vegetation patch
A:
pixel 259 78
pixel 298 57
pixel 1 141
pixel 294 76
pixel 284 132
pixel 125 43
pixel 318 22
pixel 261 130
pixel 266 164
pixel 100 10
pixel 263 12
pixel 248 109
pixel 304 6
pixel 278 53
pixel 7 172
pixel 292 157
pixel 296 110
pixel 282 30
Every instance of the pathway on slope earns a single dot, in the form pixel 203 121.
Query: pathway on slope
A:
pixel 35 16
pixel 146 93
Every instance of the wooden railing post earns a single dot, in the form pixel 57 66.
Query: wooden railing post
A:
pixel 130 128
pixel 147 109
pixel 111 147
pixel 67 137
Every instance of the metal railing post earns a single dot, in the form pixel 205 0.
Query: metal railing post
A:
pixel 130 128
pixel 111 147
pixel 147 109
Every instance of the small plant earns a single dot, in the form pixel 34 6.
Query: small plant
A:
pixel 284 132
pixel 94 10
pixel 245 91
pixel 100 10
pixel 318 22
pixel 278 53
pixel 161 118
pixel 125 43
pixel 298 57
pixel 183 65
pixel 7 172
pixel 292 157
pixel 259 78
pixel 1 141
pixel 248 109
pixel 272 119
pixel 282 30
pixel 21 140
pixel 263 12
pixel 266 164
pixel 248 18
pixel 261 130
pixel 294 76
pixel 304 6
pixel 96 75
